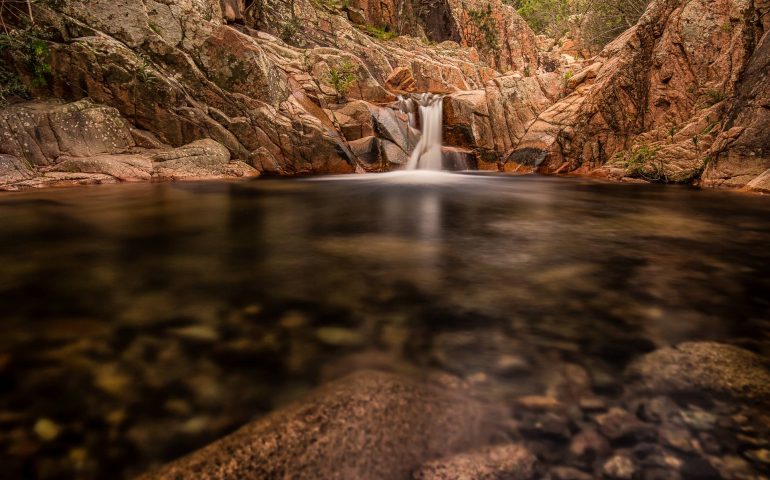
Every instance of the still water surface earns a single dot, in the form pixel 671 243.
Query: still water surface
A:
pixel 142 321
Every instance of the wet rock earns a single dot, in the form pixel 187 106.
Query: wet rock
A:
pixel 658 409
pixel 678 438
pixel 568 473
pixel 202 333
pixel 339 336
pixel 696 468
pixel 588 445
pixel 761 457
pixel 618 424
pixel 659 474
pixel 698 419
pixel 46 429
pixel 619 467
pixel 366 360
pixel 697 368
pixel 545 425
pixel 369 425
pixel 539 403
pixel 732 466
pixel 592 404
pixel 506 462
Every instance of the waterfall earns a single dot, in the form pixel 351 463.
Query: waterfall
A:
pixel 427 154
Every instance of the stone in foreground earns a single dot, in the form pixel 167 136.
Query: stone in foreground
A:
pixel 369 425
pixel 504 462
pixel 703 368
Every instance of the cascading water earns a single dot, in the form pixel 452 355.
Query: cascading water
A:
pixel 427 154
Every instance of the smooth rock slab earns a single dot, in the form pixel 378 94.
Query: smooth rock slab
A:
pixel 369 425
pixel 702 368
pixel 505 462
pixel 13 169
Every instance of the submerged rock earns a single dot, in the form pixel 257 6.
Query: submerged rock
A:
pixel 368 425
pixel 619 467
pixel 702 368
pixel 505 462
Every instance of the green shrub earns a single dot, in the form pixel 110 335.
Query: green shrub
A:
pixel 599 21
pixel 545 16
pixel 11 86
pixel 642 163
pixel 27 46
pixel 290 29
pixel 342 77
pixel 714 96
pixel 485 23
pixel 380 33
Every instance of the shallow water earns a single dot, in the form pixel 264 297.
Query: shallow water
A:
pixel 142 321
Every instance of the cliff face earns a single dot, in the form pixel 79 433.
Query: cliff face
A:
pixel 308 87
pixel 311 91
pixel 680 93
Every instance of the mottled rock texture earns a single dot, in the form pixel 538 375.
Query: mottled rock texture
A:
pixel 295 87
pixel 50 143
pixel 684 83
pixel 368 425
pixel 703 368
pixel 259 77
pixel 504 462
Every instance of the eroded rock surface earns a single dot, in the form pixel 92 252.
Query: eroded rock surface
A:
pixel 368 425
pixel 674 95
pixel 58 144
pixel 504 462
pixel 703 368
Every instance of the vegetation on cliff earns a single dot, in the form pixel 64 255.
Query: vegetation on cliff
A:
pixel 597 21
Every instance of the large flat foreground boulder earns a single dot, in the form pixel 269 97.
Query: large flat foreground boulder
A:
pixel 369 425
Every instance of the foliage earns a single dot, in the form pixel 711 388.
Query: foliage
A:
pixel 342 77
pixel 486 25
pixel 642 163
pixel 38 62
pixel 143 71
pixel 27 46
pixel 154 27
pixel 331 5
pixel 380 33
pixel 11 86
pixel 290 29
pixel 714 96
pixel 603 21
pixel 600 21
pixel 545 16
pixel 566 78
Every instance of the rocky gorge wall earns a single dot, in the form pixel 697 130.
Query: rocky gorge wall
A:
pixel 309 87
pixel 674 98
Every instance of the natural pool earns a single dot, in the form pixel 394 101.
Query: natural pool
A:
pixel 142 321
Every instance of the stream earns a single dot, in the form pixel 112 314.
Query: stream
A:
pixel 142 321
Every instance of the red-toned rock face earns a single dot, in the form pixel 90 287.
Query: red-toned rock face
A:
pixel 283 85
pixel 660 95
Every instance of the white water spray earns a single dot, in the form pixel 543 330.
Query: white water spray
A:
pixel 427 154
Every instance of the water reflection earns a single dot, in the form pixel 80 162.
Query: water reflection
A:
pixel 145 320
